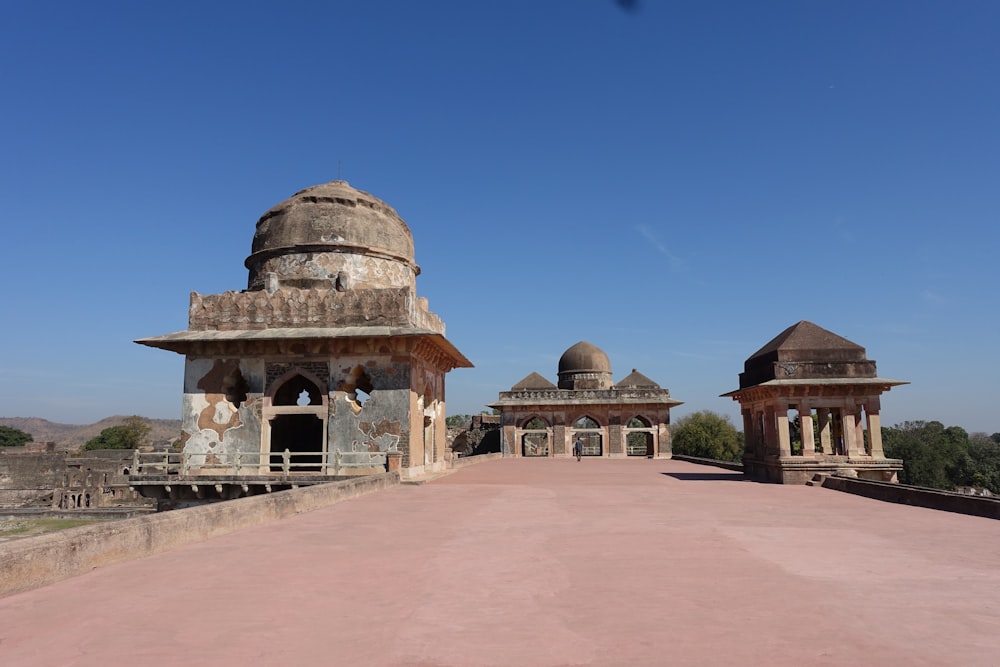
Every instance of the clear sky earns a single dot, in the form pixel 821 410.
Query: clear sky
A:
pixel 675 183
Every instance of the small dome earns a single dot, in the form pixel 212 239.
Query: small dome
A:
pixel 584 358
pixel 330 218
pixel 584 366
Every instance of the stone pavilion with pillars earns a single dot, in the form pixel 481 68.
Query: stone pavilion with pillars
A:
pixel 832 391
pixel 329 352
pixel 630 418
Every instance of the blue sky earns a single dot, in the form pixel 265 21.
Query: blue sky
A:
pixel 675 184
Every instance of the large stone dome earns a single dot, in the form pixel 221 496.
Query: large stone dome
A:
pixel 330 230
pixel 584 366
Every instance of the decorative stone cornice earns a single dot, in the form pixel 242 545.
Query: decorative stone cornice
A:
pixel 291 307
pixel 585 396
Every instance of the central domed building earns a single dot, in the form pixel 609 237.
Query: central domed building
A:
pixel 329 353
pixel 627 418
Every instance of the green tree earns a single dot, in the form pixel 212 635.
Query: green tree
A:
pixel 933 455
pixel 981 465
pixel 130 434
pixel 12 437
pixel 708 435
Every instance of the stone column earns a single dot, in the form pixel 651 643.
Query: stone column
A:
pixel 749 435
pixel 771 447
pixel 825 446
pixel 784 438
pixel 760 434
pixel 874 427
pixel 806 428
pixel 509 446
pixel 664 446
pixel 859 431
pixel 559 444
pixel 849 423
pixel 616 440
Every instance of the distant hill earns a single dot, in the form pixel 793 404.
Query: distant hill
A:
pixel 73 436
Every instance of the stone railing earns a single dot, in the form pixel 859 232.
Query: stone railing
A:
pixel 182 464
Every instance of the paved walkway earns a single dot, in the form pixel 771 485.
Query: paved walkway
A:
pixel 539 563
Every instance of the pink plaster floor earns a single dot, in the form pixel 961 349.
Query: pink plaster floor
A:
pixel 545 562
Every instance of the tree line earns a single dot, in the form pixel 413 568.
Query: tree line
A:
pixel 130 434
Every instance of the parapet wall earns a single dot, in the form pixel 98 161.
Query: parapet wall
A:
pixel 37 561
pixel 472 460
pixel 917 496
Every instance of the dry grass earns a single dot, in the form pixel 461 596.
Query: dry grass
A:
pixel 11 529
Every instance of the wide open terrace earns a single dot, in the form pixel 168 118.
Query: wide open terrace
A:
pixel 545 562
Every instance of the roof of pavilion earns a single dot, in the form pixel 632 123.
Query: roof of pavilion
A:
pixel 181 341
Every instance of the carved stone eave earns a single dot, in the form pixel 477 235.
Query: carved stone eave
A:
pixel 813 387
pixel 430 346
pixel 436 351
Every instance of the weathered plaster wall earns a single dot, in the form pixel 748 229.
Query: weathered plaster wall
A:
pixel 215 427
pixel 221 408
pixel 92 480
pixel 379 424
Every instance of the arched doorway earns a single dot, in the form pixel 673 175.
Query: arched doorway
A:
pixel 296 420
pixel 639 437
pixel 589 432
pixel 535 437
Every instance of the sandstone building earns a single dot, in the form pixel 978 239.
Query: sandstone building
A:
pixel 630 418
pixel 834 392
pixel 329 353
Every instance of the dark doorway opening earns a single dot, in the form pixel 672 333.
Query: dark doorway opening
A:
pixel 297 433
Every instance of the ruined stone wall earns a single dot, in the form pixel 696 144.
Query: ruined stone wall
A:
pixel 97 480
pixel 482 436
pixel 92 480
pixel 28 479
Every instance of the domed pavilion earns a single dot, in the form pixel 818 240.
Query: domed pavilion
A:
pixel 630 418
pixel 329 353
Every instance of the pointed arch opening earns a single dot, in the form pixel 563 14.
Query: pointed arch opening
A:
pixel 535 437
pixel 295 417
pixel 640 437
pixel 588 431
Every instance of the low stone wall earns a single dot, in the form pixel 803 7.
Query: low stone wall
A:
pixel 36 561
pixel 463 461
pixel 917 496
pixel 728 465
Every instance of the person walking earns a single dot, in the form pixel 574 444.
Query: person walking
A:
pixel 578 449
